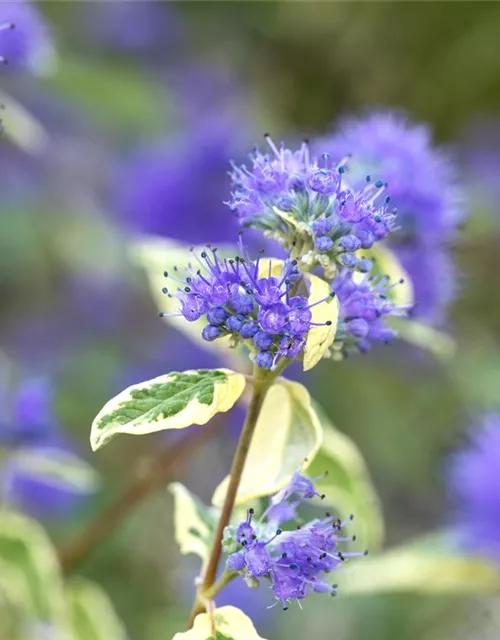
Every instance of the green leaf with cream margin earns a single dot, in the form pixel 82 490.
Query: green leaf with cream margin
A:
pixel 287 436
pixel 230 624
pixel 173 401
pixel 194 522
pixel 415 332
pixel 91 613
pixel 320 338
pixel 418 568
pixel 347 485
pixel 30 580
pixel 57 468
pixel 156 255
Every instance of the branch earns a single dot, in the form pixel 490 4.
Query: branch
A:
pixel 150 479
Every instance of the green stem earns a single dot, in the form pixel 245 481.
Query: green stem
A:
pixel 263 380
pixel 217 587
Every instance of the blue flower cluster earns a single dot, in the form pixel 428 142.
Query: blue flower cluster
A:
pixel 242 299
pixel 424 188
pixel 306 205
pixel 154 194
pixel 475 491
pixel 24 36
pixel 364 303
pixel 295 561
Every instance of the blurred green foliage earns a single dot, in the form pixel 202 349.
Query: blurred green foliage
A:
pixel 297 66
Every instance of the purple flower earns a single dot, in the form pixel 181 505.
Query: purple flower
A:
pixel 299 484
pixel 33 418
pixel 303 201
pixel 423 185
pixel 176 188
pixel 365 303
pixel 39 495
pixel 236 300
pixel 25 41
pixel 296 561
pixel 422 179
pixel 31 436
pixel 474 489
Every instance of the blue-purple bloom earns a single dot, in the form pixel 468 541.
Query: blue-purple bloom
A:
pixel 242 299
pixel 364 303
pixel 423 185
pixel 25 40
pixel 28 434
pixel 475 490
pixel 176 188
pixel 296 561
pixel 305 204
pixel 422 178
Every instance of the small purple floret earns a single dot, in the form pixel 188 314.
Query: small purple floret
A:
pixel 295 561
pixel 364 306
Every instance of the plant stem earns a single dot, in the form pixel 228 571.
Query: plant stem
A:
pixel 225 579
pixel 153 477
pixel 262 382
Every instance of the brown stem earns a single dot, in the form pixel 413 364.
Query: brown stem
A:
pixel 108 520
pixel 262 382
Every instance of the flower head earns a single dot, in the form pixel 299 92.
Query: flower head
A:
pixel 175 188
pixel 305 203
pixel 296 561
pixel 424 189
pixel 25 41
pixel 244 299
pixel 365 303
pixel 474 488
pixel 422 178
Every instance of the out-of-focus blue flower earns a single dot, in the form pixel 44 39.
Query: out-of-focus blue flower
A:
pixel 297 561
pixel 32 414
pixel 40 475
pixel 304 202
pixel 25 40
pixel 235 300
pixel 176 188
pixel 475 491
pixel 129 26
pixel 422 181
pixel 434 279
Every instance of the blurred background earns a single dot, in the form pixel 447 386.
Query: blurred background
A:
pixel 125 124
